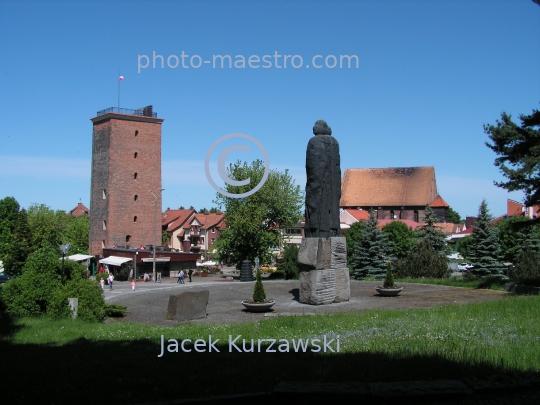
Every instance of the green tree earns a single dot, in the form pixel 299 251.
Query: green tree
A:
pixel 76 233
pixel 402 238
pixel 510 237
pixel 372 251
pixel 352 236
pixel 518 151
pixel 430 232
pixel 15 236
pixel 454 217
pixel 464 246
pixel 289 262
pixel 423 261
pixel 485 252
pixel 48 227
pixel 254 223
pixel 258 291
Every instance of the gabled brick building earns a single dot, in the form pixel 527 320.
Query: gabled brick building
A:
pixel 202 231
pixel 395 193
pixel 79 210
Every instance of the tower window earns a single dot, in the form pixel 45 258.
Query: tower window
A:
pixel 104 194
pixel 135 218
pixel 134 175
pixel 135 155
pixel 104 225
pixel 135 197
pixel 128 238
pixel 136 133
pixel 103 244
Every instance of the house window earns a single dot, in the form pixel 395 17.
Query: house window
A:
pixel 104 225
pixel 135 155
pixel 392 215
pixel 135 218
pixel 128 238
pixel 213 240
pixel 416 219
pixel 135 198
pixel 134 175
pixel 213 230
pixel 104 194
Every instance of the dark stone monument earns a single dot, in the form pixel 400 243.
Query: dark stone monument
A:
pixel 323 186
pixel 324 276
pixel 246 273
pixel 188 305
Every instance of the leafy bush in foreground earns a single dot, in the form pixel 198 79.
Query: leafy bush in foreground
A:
pixel 91 302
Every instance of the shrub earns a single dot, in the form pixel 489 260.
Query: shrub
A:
pixel 389 279
pixel 91 302
pixel 527 268
pixel 423 262
pixel 102 276
pixel 258 291
pixel 30 293
pixel 288 264
pixel 277 275
pixel 115 310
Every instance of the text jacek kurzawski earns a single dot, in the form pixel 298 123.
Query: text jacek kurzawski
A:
pixel 239 345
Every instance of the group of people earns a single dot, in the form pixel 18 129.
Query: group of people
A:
pixel 182 275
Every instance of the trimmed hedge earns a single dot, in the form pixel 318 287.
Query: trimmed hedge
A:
pixel 91 302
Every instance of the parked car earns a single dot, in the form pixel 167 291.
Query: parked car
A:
pixel 464 266
pixel 4 278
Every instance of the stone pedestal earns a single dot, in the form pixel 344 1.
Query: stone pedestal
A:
pixel 324 276
pixel 73 306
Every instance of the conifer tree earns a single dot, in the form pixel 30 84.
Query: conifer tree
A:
pixel 372 251
pixel 258 291
pixel 431 233
pixel 485 251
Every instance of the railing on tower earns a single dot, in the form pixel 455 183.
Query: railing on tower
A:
pixel 142 112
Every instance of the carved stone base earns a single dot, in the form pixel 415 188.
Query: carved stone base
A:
pixel 324 276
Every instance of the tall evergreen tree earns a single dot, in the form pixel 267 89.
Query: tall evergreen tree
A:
pixel 431 233
pixel 485 251
pixel 352 236
pixel 372 251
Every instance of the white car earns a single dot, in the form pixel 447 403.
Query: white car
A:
pixel 464 266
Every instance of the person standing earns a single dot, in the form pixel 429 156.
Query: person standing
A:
pixel 133 284
pixel 102 283
pixel 181 277
pixel 110 280
pixel 190 273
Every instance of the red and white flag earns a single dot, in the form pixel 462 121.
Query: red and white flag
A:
pixel 121 78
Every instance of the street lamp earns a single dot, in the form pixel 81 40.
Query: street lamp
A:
pixel 155 230
pixel 65 249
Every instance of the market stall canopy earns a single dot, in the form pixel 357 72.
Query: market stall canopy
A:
pixel 208 263
pixel 79 257
pixel 158 259
pixel 115 260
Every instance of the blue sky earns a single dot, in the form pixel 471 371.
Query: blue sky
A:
pixel 430 74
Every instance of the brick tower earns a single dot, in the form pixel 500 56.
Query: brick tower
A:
pixel 126 165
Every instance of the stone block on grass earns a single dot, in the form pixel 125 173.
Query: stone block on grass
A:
pixel 188 305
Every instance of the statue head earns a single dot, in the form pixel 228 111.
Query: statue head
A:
pixel 321 128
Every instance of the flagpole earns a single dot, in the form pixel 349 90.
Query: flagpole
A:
pixel 119 92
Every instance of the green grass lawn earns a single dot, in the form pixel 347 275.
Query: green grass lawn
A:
pixel 77 362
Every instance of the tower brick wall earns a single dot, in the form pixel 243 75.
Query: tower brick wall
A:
pixel 126 165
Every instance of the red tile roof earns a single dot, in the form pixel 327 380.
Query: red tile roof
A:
pixel 207 220
pixel 398 186
pixel 358 214
pixel 177 218
pixel 438 202
pixel 79 210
